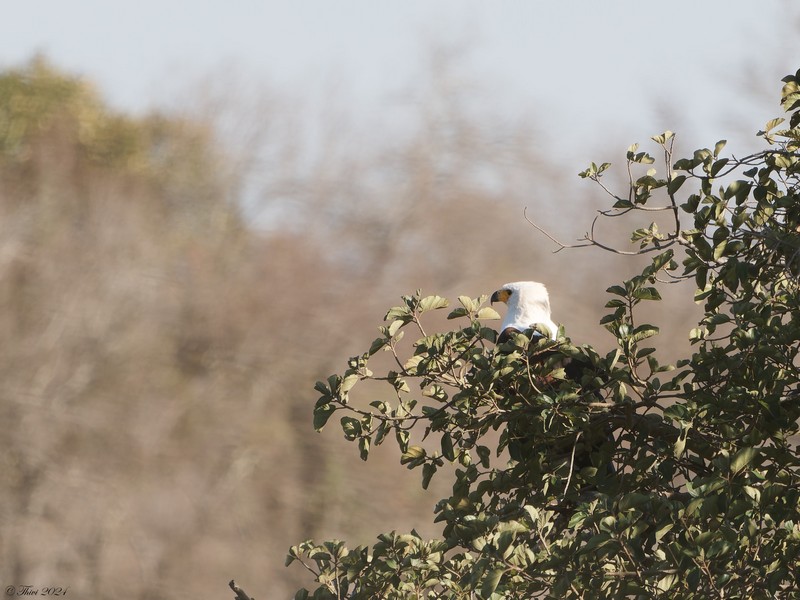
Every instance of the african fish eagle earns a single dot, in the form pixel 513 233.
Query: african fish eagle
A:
pixel 528 305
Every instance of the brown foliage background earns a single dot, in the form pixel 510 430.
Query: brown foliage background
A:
pixel 171 290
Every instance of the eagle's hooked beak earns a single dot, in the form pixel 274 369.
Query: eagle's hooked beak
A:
pixel 500 296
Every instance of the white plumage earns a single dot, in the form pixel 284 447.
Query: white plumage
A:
pixel 528 305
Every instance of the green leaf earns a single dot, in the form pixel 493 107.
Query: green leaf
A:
pixel 412 363
pixel 447 447
pixel 457 313
pixel 394 327
pixel 351 427
pixel 675 184
pixel 378 344
pixel 691 204
pixel 432 303
pixel 322 414
pixel 577 519
pixel 483 455
pixel 667 582
pixel 643 332
pixel 398 312
pixel 618 290
pixel 435 391
pixel 647 293
pixel 771 124
pixel 347 383
pixel 680 443
pixel 663 530
pixel 662 260
pixel 663 138
pixel 622 203
pixel 413 453
pixel 428 471
pixel 397 382
pixel 738 189
pixel 633 500
pixel 697 334
pixel 468 304
pixel 402 437
pixel 739 218
pixel 719 250
pixel 718 166
pixel 601 539
pixel 363 448
pixel 742 459
pixel 490 582
pixel 488 313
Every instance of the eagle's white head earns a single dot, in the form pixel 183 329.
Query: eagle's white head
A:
pixel 528 305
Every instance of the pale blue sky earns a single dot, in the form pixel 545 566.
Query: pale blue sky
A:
pixel 582 67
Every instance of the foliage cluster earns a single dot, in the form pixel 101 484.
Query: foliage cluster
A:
pixel 633 478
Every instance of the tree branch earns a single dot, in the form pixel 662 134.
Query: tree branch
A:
pixel 240 593
pixel 590 240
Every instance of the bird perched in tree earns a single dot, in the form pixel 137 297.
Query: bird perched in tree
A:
pixel 528 308
pixel 528 305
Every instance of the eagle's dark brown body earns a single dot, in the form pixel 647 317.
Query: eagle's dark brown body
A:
pixel 526 301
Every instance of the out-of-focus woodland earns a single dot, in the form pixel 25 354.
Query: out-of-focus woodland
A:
pixel 171 292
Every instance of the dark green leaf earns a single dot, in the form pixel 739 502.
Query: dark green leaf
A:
pixel 457 313
pixel 428 471
pixel 321 415
pixel 618 290
pixel 447 447
pixel 483 455
pixel 742 459
pixel 490 582
pixel 648 293
pixel 351 427
pixel 363 448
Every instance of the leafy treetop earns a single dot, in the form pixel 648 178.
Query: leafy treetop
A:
pixel 628 477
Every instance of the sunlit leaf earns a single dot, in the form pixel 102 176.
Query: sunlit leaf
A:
pixel 488 313
pixel 432 303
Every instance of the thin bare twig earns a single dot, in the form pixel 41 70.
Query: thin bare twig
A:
pixel 588 238
pixel 618 212
pixel 572 463
pixel 673 202
pixel 240 593
pixel 561 245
